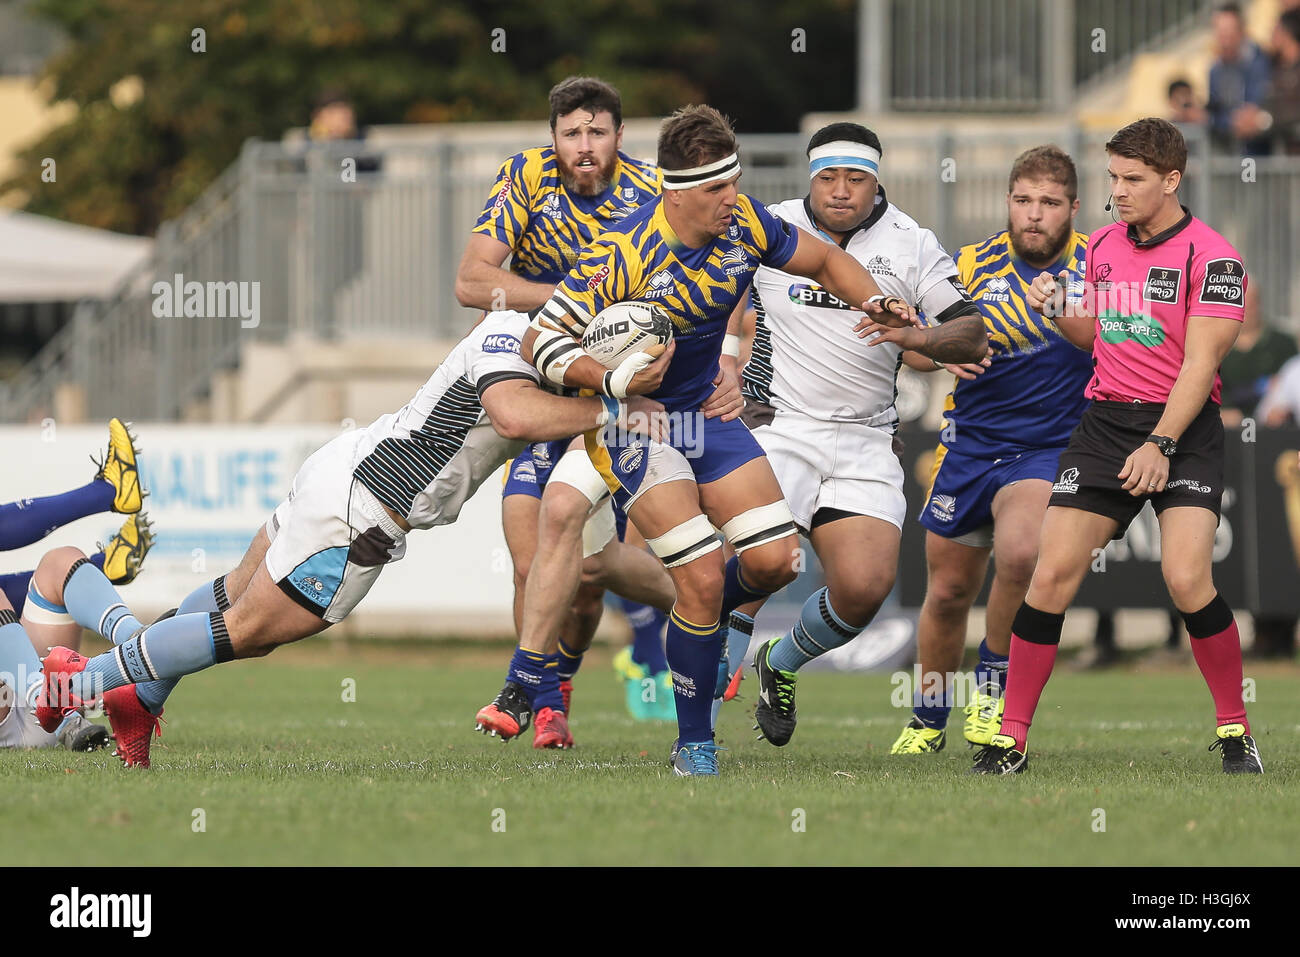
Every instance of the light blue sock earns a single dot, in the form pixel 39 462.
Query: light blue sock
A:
pixel 207 598
pixel 740 629
pixel 166 649
pixel 20 666
pixel 817 631
pixel 94 603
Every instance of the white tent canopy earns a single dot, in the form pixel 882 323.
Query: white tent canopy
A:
pixel 43 259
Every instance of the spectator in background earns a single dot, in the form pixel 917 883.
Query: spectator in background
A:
pixel 340 210
pixel 333 118
pixel 1248 368
pixel 1183 107
pixel 1263 368
pixel 1239 81
pixel 1284 96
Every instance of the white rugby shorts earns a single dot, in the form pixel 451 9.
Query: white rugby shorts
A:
pixel 849 466
pixel 331 537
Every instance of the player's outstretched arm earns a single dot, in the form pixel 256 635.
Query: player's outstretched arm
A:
pixel 955 342
pixel 481 283
pixel 847 279
pixel 962 370
pixel 1046 296
pixel 520 411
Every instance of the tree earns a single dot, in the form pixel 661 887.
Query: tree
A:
pixel 166 93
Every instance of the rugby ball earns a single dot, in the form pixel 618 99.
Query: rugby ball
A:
pixel 625 328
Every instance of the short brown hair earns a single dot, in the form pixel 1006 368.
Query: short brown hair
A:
pixel 585 93
pixel 1154 141
pixel 694 136
pixel 1046 162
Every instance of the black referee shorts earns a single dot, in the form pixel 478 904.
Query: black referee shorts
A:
pixel 1109 433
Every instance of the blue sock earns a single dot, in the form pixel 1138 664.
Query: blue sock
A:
pixel 15 588
pixel 932 711
pixel 166 649
pixel 20 666
pixel 207 598
pixel 647 635
pixel 535 673
pixel 94 603
pixel 31 519
pixel 568 662
pixel 735 592
pixel 992 668
pixel 693 652
pixel 740 631
pixel 817 631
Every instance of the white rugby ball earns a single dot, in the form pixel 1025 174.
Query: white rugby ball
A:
pixel 625 328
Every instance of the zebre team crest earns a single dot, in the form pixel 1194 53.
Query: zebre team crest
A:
pixel 943 507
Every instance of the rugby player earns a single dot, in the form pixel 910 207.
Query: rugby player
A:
pixel 821 402
pixel 693 252
pixel 1005 428
pixel 546 205
pixel 1162 306
pixel 44 623
pixel 347 516
pixel 115 487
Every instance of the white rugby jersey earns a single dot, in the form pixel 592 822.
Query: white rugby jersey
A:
pixel 425 460
pixel 807 358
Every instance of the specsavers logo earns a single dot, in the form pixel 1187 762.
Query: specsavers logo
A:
pixel 1117 327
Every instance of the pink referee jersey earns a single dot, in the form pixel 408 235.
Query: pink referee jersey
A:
pixel 1142 294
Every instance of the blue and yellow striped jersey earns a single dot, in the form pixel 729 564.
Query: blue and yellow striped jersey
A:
pixel 1031 397
pixel 642 259
pixel 546 226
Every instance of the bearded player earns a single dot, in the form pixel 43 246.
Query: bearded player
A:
pixel 821 402
pixel 1005 428
pixel 693 252
pixel 1163 303
pixel 546 205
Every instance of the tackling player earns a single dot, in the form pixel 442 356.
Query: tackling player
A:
pixel 44 623
pixel 693 252
pixel 1163 300
pixel 1005 429
pixel 546 205
pixel 821 402
pixel 346 517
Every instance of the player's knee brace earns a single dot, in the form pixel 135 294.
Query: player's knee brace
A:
pixel 685 543
pixel 758 526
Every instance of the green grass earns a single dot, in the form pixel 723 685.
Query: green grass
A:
pixel 286 772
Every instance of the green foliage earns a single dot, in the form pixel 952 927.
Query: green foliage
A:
pixel 127 165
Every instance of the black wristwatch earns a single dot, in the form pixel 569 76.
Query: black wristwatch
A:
pixel 1164 443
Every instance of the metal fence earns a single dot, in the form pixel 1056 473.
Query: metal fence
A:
pixel 1007 55
pixel 344 260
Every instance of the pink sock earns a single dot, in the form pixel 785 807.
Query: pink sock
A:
pixel 1027 674
pixel 1219 658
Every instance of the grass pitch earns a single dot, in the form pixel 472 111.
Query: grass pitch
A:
pixel 278 768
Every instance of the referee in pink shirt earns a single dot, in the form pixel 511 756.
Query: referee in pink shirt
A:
pixel 1160 307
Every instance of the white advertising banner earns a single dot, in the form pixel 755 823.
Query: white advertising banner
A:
pixel 212 487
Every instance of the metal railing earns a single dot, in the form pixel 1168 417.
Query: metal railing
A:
pixel 376 257
pixel 1009 55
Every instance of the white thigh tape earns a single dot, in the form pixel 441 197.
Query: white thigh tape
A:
pixel 685 543
pixel 758 526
